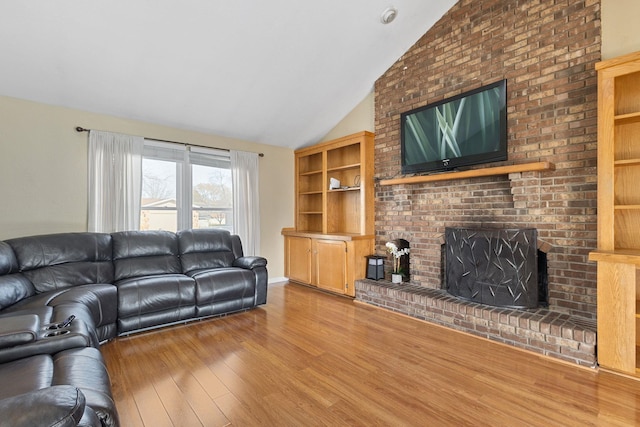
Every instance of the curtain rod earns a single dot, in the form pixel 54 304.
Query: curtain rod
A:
pixel 81 129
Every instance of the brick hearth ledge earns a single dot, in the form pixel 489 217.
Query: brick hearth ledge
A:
pixel 539 330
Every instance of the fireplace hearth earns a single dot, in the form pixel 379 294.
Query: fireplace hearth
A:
pixel 497 267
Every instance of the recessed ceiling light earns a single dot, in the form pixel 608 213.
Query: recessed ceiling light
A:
pixel 388 15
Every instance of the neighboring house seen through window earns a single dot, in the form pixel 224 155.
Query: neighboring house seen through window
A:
pixel 185 187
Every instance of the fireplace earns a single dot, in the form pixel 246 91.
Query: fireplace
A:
pixel 495 267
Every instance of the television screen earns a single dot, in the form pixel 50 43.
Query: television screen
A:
pixel 467 129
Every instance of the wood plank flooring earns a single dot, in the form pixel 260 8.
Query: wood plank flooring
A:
pixel 312 359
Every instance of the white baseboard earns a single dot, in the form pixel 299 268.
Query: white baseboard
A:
pixel 276 280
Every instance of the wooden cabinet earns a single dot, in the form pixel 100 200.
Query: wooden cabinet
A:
pixel 330 265
pixel 338 222
pixel 298 259
pixel 618 253
pixel 330 262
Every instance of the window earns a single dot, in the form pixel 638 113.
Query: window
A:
pixel 185 187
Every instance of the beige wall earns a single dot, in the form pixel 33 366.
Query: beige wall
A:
pixel 43 171
pixel 359 119
pixel 619 27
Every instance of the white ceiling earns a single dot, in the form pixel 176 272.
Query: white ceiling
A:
pixel 278 72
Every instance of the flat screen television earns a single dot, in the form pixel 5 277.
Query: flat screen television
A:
pixel 467 129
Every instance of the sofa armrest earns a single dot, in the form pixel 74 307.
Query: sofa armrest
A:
pixel 60 406
pixel 17 330
pixel 250 262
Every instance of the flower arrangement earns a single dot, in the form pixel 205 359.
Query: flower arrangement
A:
pixel 392 248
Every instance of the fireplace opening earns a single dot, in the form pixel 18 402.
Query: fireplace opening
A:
pixel 543 280
pixel 498 267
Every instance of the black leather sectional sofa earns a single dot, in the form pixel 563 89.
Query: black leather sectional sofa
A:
pixel 62 295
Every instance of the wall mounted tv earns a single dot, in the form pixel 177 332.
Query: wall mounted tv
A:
pixel 467 129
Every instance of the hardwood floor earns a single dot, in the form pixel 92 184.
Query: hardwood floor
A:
pixel 312 359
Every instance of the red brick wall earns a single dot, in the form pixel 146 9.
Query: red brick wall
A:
pixel 546 50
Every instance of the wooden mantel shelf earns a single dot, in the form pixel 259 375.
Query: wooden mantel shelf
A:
pixel 474 173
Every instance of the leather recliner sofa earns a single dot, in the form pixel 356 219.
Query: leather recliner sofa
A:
pixel 61 295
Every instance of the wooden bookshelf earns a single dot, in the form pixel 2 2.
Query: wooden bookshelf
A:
pixel 618 254
pixel 334 228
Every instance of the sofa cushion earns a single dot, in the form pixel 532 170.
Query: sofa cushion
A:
pixel 14 288
pixel 154 293
pixel 82 368
pixel 57 406
pixel 149 301
pixel 145 253
pixel 25 375
pixel 13 285
pixel 16 330
pixel 224 290
pixel 8 261
pixel 56 261
pixel 100 299
pixel 203 249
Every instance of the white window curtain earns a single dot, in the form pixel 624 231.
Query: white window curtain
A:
pixel 115 181
pixel 246 212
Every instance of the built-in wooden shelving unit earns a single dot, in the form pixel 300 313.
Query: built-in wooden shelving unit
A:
pixel 334 229
pixel 618 253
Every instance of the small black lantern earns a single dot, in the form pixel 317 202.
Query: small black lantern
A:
pixel 375 267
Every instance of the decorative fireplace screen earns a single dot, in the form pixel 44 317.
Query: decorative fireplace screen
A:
pixel 494 267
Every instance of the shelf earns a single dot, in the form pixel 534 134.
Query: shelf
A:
pixel 341 190
pixel 624 207
pixel 474 173
pixel 627 118
pixel 629 162
pixel 624 256
pixel 311 213
pixel 343 167
pixel 326 236
pixel 310 193
pixel 314 172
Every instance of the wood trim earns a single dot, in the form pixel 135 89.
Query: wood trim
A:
pixel 347 237
pixel 474 173
pixel 623 256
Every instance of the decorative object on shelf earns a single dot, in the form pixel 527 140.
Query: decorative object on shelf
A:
pixel 396 278
pixel 399 249
pixel 375 267
pixel 334 184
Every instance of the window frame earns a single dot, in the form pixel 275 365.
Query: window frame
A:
pixel 185 157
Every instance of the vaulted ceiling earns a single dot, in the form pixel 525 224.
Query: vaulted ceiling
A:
pixel 278 72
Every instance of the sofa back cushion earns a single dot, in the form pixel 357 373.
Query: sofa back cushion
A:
pixel 205 249
pixel 145 253
pixel 13 285
pixel 58 261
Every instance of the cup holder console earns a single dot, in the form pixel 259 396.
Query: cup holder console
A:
pixel 57 329
pixel 56 333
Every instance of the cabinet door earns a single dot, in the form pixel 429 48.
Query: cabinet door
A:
pixel 330 265
pixel 617 316
pixel 298 259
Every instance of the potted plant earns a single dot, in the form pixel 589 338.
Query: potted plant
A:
pixel 396 273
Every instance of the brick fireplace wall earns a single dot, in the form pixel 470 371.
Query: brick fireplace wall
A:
pixel 546 50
